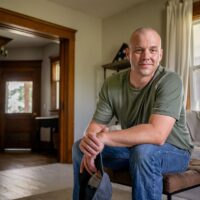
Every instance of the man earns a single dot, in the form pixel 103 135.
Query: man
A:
pixel 147 100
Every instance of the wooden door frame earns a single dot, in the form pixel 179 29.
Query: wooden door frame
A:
pixel 23 23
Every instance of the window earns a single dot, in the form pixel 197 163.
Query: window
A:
pixel 55 83
pixel 195 68
pixel 18 97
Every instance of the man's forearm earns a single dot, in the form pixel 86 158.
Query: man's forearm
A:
pixel 129 137
pixel 94 128
pixel 155 132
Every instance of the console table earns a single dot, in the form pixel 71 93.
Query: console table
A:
pixel 51 122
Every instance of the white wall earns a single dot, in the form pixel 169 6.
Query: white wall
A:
pixel 24 53
pixel 96 43
pixel 87 50
pixel 117 29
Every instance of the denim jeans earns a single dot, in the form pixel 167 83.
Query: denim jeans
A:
pixel 146 164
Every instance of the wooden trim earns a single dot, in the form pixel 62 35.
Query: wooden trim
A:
pixel 67 90
pixel 33 25
pixel 196 10
pixel 23 23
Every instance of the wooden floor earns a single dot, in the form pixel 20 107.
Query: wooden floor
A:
pixel 30 176
pixel 37 182
pixel 21 159
pixel 22 173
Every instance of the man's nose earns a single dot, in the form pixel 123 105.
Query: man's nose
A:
pixel 146 54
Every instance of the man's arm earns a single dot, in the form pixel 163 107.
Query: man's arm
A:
pixel 90 144
pixel 155 132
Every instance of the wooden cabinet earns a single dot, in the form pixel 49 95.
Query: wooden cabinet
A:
pixel 116 66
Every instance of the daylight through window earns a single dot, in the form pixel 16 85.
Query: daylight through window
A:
pixel 195 69
pixel 18 97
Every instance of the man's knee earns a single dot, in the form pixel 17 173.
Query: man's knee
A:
pixel 143 154
pixel 76 152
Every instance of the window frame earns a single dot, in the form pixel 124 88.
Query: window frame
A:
pixel 196 10
pixel 196 16
pixel 54 91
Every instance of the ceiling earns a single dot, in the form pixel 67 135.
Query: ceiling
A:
pixel 96 8
pixel 20 39
pixel 99 8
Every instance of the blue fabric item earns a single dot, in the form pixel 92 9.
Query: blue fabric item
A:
pixel 96 187
pixel 104 190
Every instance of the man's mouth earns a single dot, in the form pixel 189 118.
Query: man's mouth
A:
pixel 145 64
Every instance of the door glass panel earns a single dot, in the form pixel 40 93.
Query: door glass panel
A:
pixel 18 97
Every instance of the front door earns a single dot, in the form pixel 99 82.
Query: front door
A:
pixel 19 102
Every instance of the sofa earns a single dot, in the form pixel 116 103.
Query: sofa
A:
pixel 176 182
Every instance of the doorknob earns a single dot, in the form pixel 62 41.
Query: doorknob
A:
pixel 34 114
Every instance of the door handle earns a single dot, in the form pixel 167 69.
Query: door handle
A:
pixel 34 114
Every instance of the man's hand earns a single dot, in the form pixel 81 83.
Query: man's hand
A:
pixel 90 145
pixel 88 164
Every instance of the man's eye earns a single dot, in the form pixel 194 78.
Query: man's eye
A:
pixel 153 50
pixel 138 51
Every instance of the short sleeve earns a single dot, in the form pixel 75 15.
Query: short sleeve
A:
pixel 169 96
pixel 104 110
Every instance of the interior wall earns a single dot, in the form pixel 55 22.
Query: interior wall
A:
pixel 87 50
pixel 97 43
pixel 118 28
pixel 24 53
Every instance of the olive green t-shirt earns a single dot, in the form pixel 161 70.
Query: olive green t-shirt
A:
pixel 162 95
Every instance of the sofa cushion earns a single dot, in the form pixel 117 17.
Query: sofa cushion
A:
pixel 180 181
pixel 193 121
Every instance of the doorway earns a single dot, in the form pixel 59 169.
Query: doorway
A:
pixel 20 97
pixel 30 25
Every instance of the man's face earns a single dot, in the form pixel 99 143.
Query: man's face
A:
pixel 145 53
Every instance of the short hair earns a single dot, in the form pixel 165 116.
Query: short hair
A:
pixel 144 29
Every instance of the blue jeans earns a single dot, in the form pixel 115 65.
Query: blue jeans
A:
pixel 146 164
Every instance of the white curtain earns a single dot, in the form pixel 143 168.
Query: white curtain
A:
pixel 178 38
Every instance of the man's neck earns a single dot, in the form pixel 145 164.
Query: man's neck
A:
pixel 138 81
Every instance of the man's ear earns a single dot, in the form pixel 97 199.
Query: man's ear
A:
pixel 127 50
pixel 161 54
